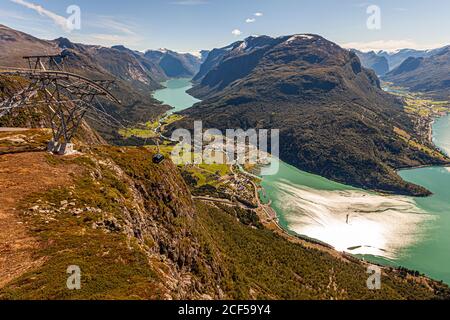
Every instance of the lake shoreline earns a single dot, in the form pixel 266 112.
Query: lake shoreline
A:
pixel 356 250
pixel 409 262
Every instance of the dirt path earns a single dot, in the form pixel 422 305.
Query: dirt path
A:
pixel 21 175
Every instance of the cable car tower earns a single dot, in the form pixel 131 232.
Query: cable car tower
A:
pixel 67 98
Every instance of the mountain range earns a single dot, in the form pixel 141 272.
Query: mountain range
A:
pixel 136 74
pixel 329 107
pixel 334 118
pixel 396 58
pixel 424 71
pixel 374 61
pixel 393 59
pixel 136 228
pixel 174 64
pixel 429 74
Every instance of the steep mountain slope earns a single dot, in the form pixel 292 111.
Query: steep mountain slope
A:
pixel 335 120
pixel 398 57
pixel 135 76
pixel 371 60
pixel 204 55
pixel 212 59
pixel 136 233
pixel 15 44
pixel 151 69
pixel 429 74
pixel 175 65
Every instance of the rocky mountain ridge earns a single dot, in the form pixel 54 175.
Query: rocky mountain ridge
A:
pixel 335 119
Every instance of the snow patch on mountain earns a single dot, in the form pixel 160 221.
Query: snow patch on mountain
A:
pixel 299 37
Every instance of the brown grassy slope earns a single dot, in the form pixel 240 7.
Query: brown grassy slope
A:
pixel 15 44
pixel 21 175
pixel 136 234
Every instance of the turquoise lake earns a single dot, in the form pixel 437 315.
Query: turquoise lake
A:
pixel 392 230
pixel 174 94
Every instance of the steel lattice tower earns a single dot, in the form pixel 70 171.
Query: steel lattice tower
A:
pixel 66 97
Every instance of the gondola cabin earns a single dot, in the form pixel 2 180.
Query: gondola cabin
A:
pixel 158 158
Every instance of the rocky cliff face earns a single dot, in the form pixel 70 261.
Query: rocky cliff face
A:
pixel 371 60
pixel 397 58
pixel 174 64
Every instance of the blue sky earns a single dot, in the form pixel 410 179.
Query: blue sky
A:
pixel 191 25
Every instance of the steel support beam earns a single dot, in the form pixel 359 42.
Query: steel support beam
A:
pixel 66 97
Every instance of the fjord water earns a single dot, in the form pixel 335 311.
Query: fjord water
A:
pixel 347 218
pixel 441 134
pixel 174 94
pixel 432 255
pixel 392 230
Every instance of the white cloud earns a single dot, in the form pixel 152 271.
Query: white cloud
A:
pixel 57 19
pixel 236 32
pixel 388 45
pixel 196 53
pixel 250 20
pixel 259 14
